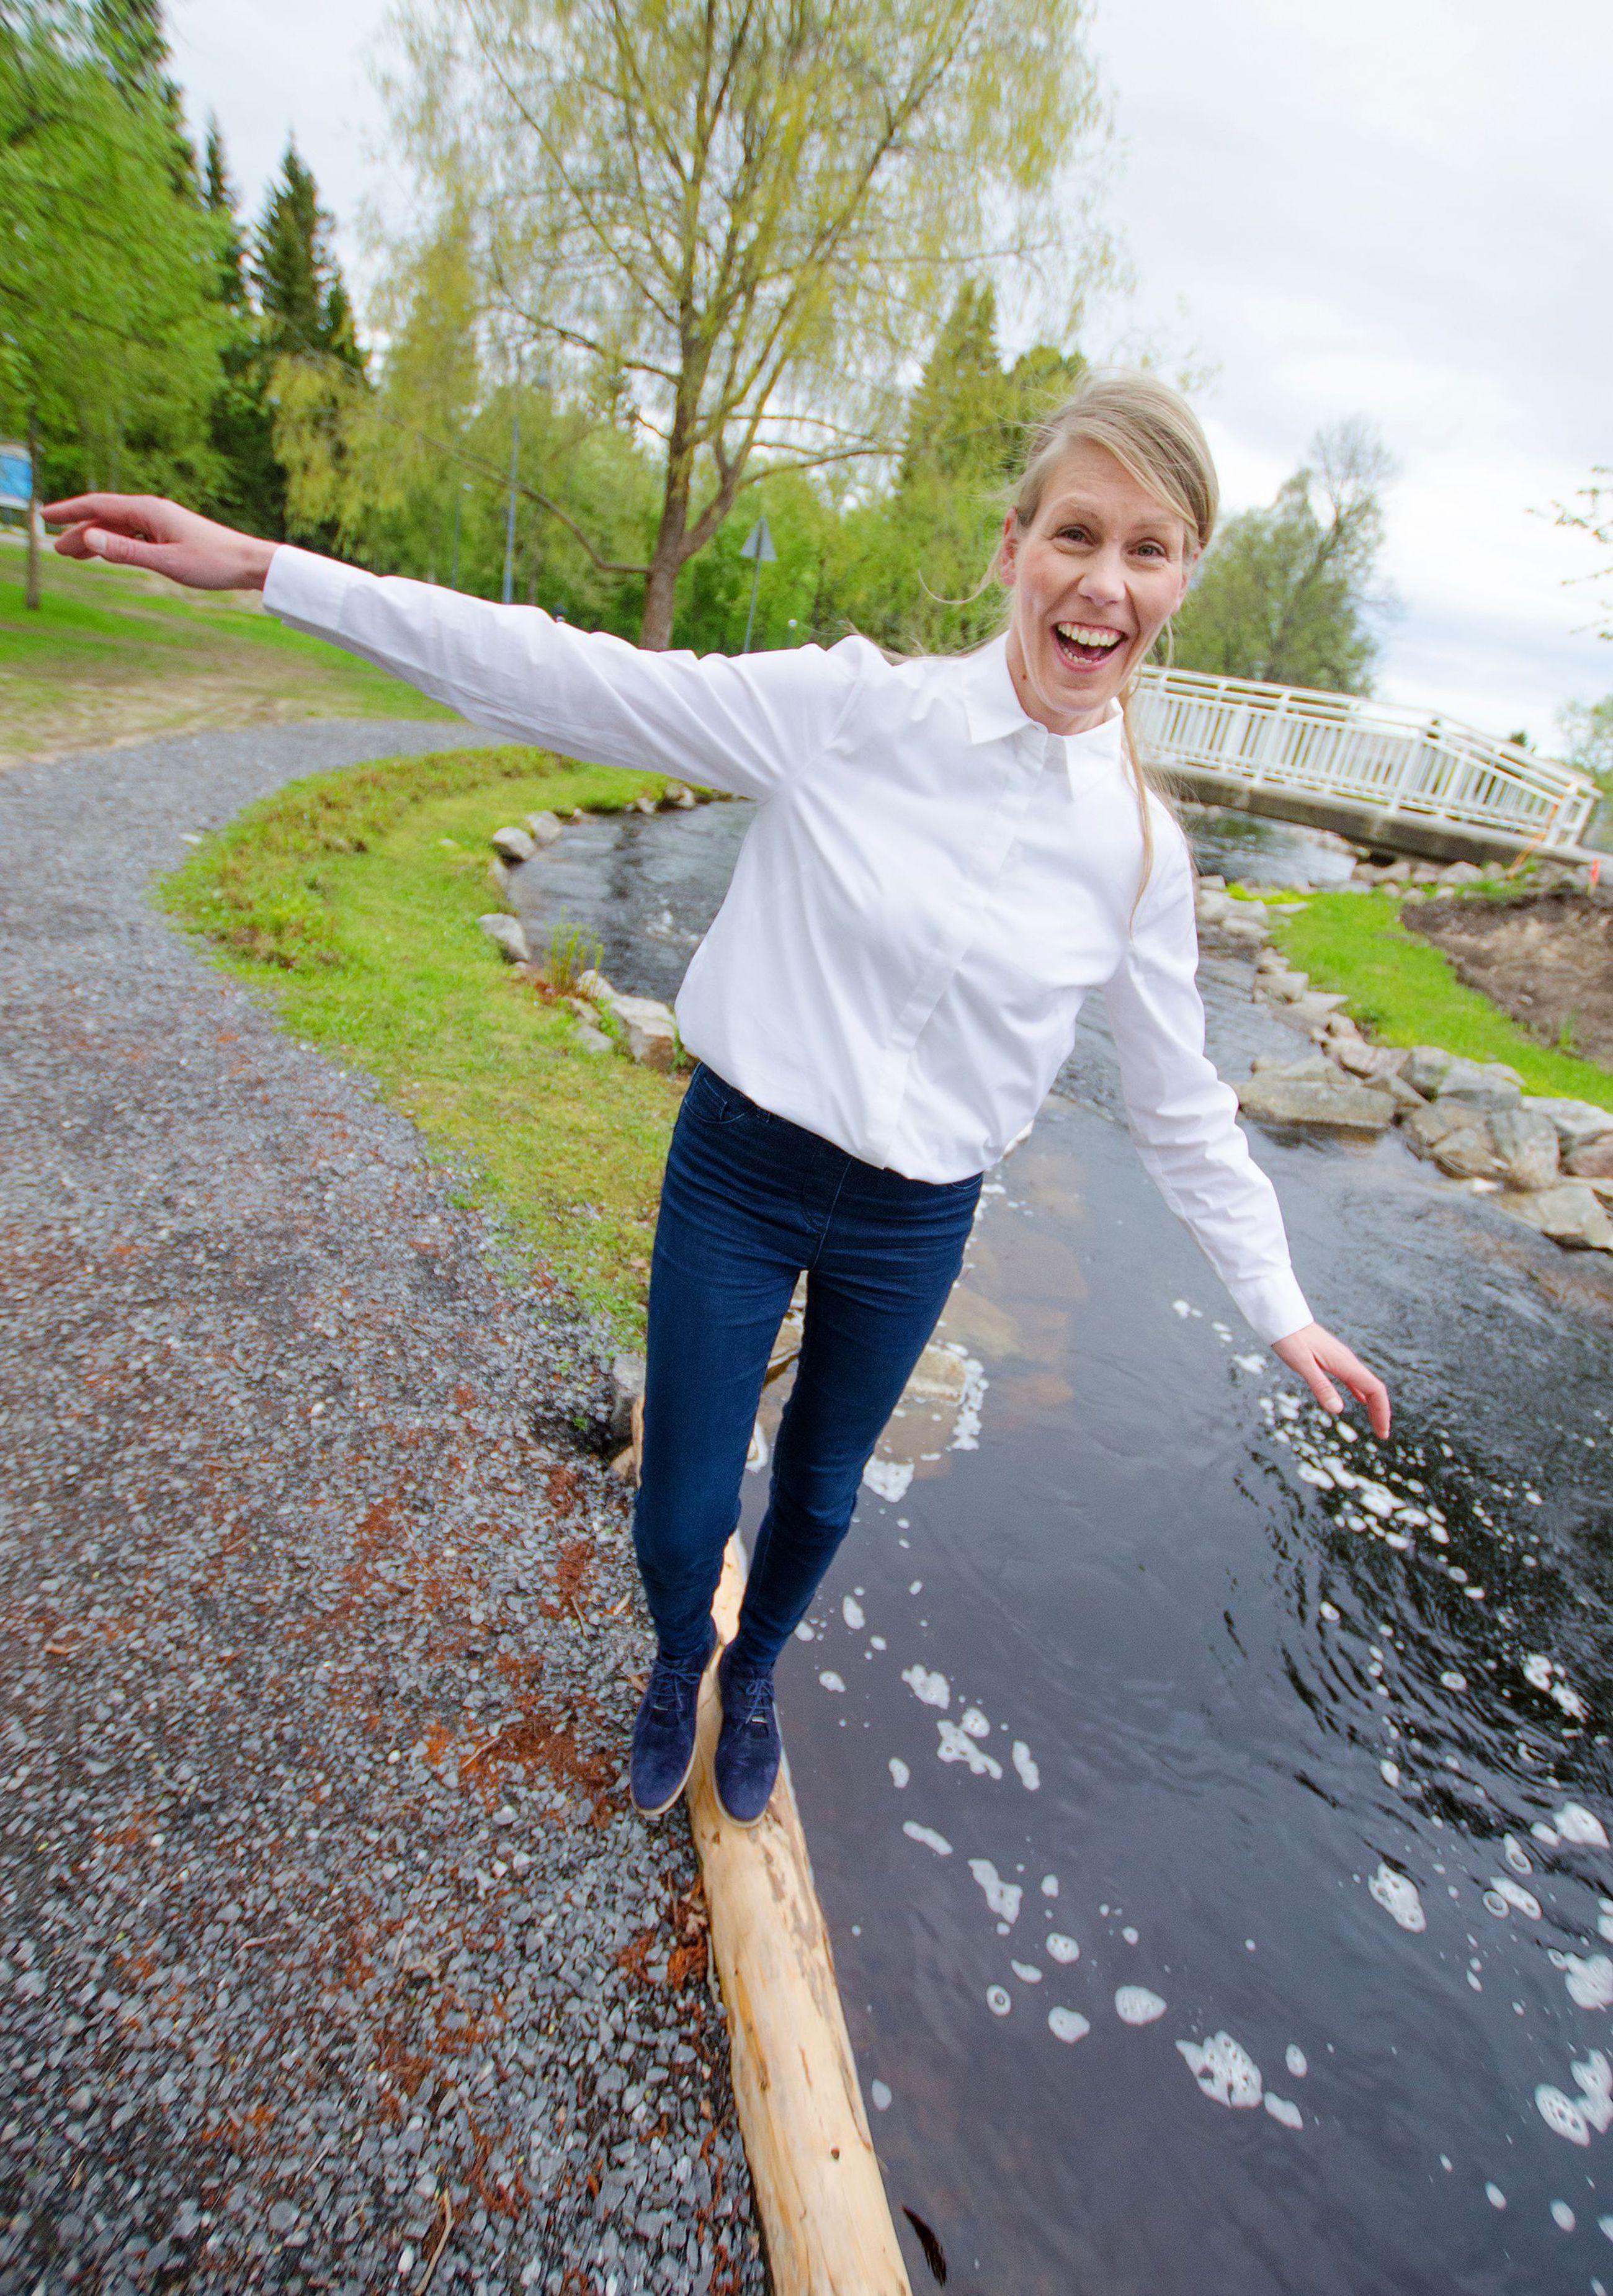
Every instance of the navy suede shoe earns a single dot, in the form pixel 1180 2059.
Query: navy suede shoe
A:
pixel 746 1763
pixel 663 1735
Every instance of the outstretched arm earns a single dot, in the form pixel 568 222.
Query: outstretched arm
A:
pixel 1183 1120
pixel 741 724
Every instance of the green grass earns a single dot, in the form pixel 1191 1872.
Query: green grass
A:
pixel 1406 992
pixel 350 900
pixel 113 654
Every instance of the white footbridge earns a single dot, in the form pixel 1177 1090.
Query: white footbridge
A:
pixel 1405 781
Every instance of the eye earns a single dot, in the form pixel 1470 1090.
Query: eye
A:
pixel 1072 534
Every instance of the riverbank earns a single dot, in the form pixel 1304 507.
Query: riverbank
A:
pixel 115 656
pixel 351 901
pixel 333 1955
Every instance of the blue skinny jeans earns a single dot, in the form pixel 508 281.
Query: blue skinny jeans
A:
pixel 749 1204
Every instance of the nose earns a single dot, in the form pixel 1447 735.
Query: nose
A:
pixel 1103 579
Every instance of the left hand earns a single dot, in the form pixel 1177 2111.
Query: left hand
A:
pixel 1320 1358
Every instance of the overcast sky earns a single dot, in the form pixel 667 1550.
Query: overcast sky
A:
pixel 1398 209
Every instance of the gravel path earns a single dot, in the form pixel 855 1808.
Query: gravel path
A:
pixel 321 1910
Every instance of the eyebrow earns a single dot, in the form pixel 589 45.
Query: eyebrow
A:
pixel 1162 521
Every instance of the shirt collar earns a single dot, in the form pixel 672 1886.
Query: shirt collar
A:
pixel 993 710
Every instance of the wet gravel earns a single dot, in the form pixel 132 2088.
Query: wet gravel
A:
pixel 322 1914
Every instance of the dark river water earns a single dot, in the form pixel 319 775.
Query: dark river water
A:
pixel 1209 1808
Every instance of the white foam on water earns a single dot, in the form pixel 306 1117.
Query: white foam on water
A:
pixel 1495 1903
pixel 1496 2198
pixel 1544 1833
pixel 879 2097
pixel 1562 2216
pixel 1280 2109
pixel 928 1835
pixel 853 1613
pixel 1575 1823
pixel 917 1587
pixel 1562 2115
pixel 1399 1899
pixel 1516 1855
pixel 998 2000
pixel 1293 2057
pixel 876 1642
pixel 1604 2225
pixel 1594 2078
pixel 1317 1475
pixel 955 1747
pixel 1070 2025
pixel 1589 1981
pixel 1515 1894
pixel 1060 1947
pixel 1030 1776
pixel 1002 1897
pixel 1130 1935
pixel 1330 1613
pixel 1376 1499
pixel 930 1689
pixel 899 1771
pixel 1026 1971
pixel 1135 2005
pixel 1180 1307
pixel 1455 1681
pixel 888 1478
pixel 1604 1920
pixel 1391 1773
pixel 831 1680
pixel 1050 1889
pixel 804 1633
pixel 1249 1362
pixel 974 1724
pixel 1224 2069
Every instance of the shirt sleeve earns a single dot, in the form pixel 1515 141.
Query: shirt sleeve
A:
pixel 740 724
pixel 1182 1118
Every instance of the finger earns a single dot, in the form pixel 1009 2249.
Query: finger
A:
pixel 1373 1398
pixel 1321 1387
pixel 124 550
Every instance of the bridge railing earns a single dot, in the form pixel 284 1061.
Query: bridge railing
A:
pixel 1366 753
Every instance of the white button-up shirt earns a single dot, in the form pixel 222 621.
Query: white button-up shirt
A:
pixel 932 885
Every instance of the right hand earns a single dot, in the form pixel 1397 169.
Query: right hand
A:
pixel 145 530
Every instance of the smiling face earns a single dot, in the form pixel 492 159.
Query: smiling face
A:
pixel 1095 577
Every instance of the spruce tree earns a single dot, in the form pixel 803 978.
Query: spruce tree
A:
pixel 250 489
pixel 305 310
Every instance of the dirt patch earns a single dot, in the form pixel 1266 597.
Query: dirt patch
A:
pixel 1546 958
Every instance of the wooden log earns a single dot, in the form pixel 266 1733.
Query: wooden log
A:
pixel 818 2189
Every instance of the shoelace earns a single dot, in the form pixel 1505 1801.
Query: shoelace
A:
pixel 753 1694
pixel 673 1688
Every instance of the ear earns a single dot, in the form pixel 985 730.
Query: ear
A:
pixel 1008 550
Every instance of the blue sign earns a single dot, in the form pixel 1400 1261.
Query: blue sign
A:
pixel 15 491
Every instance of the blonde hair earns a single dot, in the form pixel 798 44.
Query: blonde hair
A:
pixel 1156 438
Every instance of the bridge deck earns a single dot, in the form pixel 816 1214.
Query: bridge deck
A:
pixel 1404 778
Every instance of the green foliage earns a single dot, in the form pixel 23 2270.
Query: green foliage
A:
pixel 726 223
pixel 351 899
pixel 1406 991
pixel 111 330
pixel 571 952
pixel 1587 737
pixel 1285 594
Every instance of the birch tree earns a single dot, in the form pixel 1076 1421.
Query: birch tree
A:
pixel 739 222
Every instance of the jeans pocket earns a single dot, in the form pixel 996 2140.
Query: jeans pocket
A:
pixel 711 1100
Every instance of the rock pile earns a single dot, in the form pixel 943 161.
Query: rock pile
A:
pixel 1549 1162
pixel 642 1027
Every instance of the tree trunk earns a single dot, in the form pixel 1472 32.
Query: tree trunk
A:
pixel 32 592
pixel 655 630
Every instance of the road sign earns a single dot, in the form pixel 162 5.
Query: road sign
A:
pixel 16 490
pixel 759 545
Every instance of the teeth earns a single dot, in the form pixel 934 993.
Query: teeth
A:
pixel 1087 634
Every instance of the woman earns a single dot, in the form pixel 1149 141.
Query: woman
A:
pixel 947 854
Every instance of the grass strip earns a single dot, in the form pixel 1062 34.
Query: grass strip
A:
pixel 1406 992
pixel 350 900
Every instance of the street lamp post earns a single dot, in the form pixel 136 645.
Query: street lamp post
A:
pixel 757 545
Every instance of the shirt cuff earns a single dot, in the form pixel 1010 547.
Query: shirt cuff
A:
pixel 1273 1304
pixel 310 591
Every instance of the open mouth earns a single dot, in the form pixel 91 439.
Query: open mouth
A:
pixel 1083 644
